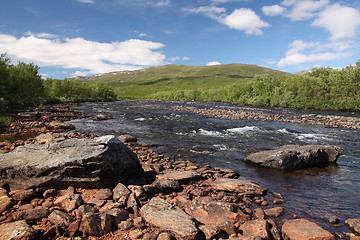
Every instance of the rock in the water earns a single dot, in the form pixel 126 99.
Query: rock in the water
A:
pixel 180 176
pixel 86 163
pixel 354 225
pixel 238 186
pixel 17 230
pixel 167 217
pixel 292 157
pixel 302 229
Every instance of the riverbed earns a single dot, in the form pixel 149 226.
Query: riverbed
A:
pixel 315 194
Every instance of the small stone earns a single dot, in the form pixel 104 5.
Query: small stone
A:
pixel 256 228
pixel 61 218
pixel 339 235
pixel 139 223
pixel 21 195
pixel 17 230
pixel 124 225
pixel 127 138
pixel 33 214
pixel 91 225
pixel 258 213
pixel 135 234
pixel 334 220
pixel 276 195
pixel 103 194
pixel 210 232
pixel 149 236
pixel 118 214
pixel 3 192
pixel 25 207
pixel 50 193
pixel 69 202
pixel 274 212
pixel 119 191
pixel 164 236
pixel 5 203
pixel 278 201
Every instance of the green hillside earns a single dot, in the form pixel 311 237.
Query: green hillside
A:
pixel 147 83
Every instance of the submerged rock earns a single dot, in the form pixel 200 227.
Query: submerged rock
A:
pixel 292 157
pixel 86 163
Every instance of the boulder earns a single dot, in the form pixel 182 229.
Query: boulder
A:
pixel 86 163
pixel 292 157
pixel 302 229
pixel 259 228
pixel 164 215
pixel 17 230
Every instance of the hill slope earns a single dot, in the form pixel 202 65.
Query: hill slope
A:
pixel 145 83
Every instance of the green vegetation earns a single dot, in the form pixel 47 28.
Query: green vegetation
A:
pixel 321 88
pixel 21 86
pixel 144 83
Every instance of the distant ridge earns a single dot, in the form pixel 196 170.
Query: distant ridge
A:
pixel 144 82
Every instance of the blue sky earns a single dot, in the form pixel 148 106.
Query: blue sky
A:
pixel 84 37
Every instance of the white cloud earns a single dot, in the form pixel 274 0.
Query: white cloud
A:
pixel 274 10
pixel 213 63
pixel 78 53
pixel 341 21
pixel 296 10
pixel 143 35
pixel 85 1
pixel 301 52
pixel 174 59
pixel 163 3
pixel 41 35
pixel 185 59
pixel 242 19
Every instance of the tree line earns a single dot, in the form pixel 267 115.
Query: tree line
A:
pixel 22 86
pixel 321 88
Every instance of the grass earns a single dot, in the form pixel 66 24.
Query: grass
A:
pixel 147 83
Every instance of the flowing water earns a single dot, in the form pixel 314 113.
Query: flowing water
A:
pixel 315 194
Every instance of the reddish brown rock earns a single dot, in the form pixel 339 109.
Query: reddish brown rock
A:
pixel 180 176
pixel 135 234
pixel 302 229
pixel 33 214
pixel 215 213
pixel 210 232
pixel 238 186
pixel 119 191
pixel 91 225
pixel 69 202
pixel 21 195
pixel 16 231
pixel 162 214
pixel 354 225
pixel 103 194
pixel 127 138
pixel 274 212
pixel 60 218
pixel 256 228
pixel 258 213
pixel 5 203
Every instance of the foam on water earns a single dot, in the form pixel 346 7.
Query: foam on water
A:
pixel 242 130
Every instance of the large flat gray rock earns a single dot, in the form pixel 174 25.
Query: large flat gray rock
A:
pixel 87 163
pixel 292 157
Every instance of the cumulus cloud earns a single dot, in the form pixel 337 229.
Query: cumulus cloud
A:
pixel 344 26
pixel 89 56
pixel 274 10
pixel 296 10
pixel 245 19
pixel 242 19
pixel 213 63
pixel 301 52
pixel 174 59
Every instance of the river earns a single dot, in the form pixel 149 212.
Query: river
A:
pixel 316 194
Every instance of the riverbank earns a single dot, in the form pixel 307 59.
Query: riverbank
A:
pixel 192 187
pixel 266 114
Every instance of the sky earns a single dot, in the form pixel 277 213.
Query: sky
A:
pixel 68 38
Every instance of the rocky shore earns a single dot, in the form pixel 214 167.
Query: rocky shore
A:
pixel 239 113
pixel 175 199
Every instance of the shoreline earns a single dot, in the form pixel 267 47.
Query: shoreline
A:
pixel 194 189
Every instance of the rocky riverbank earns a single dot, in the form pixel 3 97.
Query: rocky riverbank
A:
pixel 176 199
pixel 239 113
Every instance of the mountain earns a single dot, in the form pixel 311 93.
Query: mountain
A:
pixel 141 84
